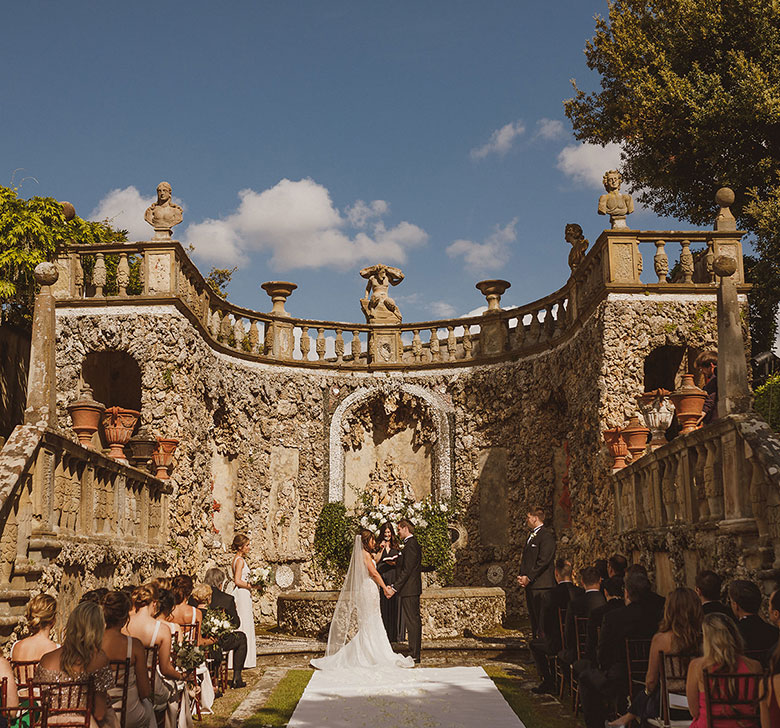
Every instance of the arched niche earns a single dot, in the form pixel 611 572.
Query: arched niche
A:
pixel 663 367
pixel 441 448
pixel 114 377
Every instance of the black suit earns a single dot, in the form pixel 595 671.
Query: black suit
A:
pixel 551 602
pixel 408 586
pixel 537 564
pixel 758 635
pixel 717 607
pixel 595 621
pixel 580 606
pixel 232 641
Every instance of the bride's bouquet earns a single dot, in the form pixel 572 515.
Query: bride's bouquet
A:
pixel 215 624
pixel 260 578
pixel 189 657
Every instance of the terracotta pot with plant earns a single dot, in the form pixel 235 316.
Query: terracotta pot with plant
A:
pixel 85 414
pixel 636 437
pixel 118 426
pixel 617 447
pixel 163 456
pixel 688 403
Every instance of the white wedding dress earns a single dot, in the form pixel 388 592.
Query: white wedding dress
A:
pixel 357 616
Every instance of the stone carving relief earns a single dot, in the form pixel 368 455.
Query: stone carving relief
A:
pixel 163 214
pixel 67 498
pixel 377 306
pixel 283 522
pixel 493 512
pixel 387 484
pixel 615 203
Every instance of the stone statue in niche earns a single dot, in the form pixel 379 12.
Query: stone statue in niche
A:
pixel 387 484
pixel 615 203
pixel 579 244
pixel 163 214
pixel 377 306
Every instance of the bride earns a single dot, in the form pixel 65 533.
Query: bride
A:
pixel 369 647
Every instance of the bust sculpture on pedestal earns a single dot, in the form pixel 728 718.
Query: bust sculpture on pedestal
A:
pixel 378 307
pixel 163 214
pixel 615 203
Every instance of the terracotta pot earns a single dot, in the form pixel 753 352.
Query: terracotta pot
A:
pixel 163 456
pixel 118 425
pixel 688 403
pixel 85 413
pixel 142 447
pixel 617 447
pixel 658 412
pixel 635 437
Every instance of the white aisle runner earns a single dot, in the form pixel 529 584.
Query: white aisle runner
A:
pixel 440 697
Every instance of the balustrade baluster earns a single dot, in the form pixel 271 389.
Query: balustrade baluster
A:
pixel 81 284
pixel 433 345
pixel 254 337
pixel 468 344
pixel 99 274
pixel 686 261
pixel 417 346
pixel 519 336
pixel 709 259
pixel 661 261
pixel 305 343
pixel 268 340
pixel 320 346
pixel 452 343
pixel 225 329
pixel 239 333
pixel 122 274
pixel 535 330
pixel 355 346
pixel 549 322
pixel 215 324
pixel 339 347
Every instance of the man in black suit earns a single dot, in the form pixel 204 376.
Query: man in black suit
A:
pixel 536 565
pixel 613 589
pixel 235 641
pixel 608 680
pixel 653 599
pixel 708 586
pixel 549 641
pixel 617 565
pixel 408 586
pixel 581 605
pixel 745 599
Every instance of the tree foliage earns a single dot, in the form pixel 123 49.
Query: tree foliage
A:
pixel 691 91
pixel 32 231
pixel 219 279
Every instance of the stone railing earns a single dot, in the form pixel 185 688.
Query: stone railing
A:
pixel 161 272
pixel 724 476
pixel 54 492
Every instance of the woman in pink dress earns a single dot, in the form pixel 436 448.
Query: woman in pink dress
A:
pixel 723 652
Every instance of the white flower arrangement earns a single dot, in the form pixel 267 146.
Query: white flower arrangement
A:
pixel 260 577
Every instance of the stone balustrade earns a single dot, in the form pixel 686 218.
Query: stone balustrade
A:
pixel 723 477
pixel 160 271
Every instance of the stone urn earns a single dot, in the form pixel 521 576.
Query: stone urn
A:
pixel 163 456
pixel 142 447
pixel 688 403
pixel 85 414
pixel 658 412
pixel 279 291
pixel 118 426
pixel 617 447
pixel 492 290
pixel 635 437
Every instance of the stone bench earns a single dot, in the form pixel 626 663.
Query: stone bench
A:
pixel 446 612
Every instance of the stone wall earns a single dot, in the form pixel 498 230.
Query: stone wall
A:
pixel 14 365
pixel 254 438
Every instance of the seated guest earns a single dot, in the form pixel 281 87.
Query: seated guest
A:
pixel 11 696
pixel 549 643
pixel 41 614
pixel 162 582
pixel 81 657
pixel 94 595
pixel 770 704
pixel 745 601
pixel 118 647
pixel 708 586
pixel 602 683
pixel 164 613
pixel 617 565
pixel 723 652
pixel 601 566
pixel 234 642
pixel 653 598
pixel 678 634
pixel 200 597
pixel 183 613
pixel 613 590
pixel 581 605
pixel 774 608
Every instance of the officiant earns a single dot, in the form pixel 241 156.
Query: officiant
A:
pixel 386 558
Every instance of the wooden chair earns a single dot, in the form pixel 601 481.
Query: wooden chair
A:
pixel 121 670
pixel 674 673
pixel 190 632
pixel 731 698
pixel 637 659
pixel 28 691
pixel 581 632
pixel 10 714
pixel 67 704
pixel 561 670
pixel 152 660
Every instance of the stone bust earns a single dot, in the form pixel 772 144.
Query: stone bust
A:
pixel 579 244
pixel 163 214
pixel 615 203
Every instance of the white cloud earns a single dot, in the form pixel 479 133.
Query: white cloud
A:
pixel 124 209
pixel 297 223
pixel 549 129
pixel 442 309
pixel 501 140
pixel 587 162
pixel 492 253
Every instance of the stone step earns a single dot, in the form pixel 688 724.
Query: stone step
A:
pixel 26 574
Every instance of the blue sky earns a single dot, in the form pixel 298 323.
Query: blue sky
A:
pixel 309 139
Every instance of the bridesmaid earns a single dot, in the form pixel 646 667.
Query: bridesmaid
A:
pixel 243 597
pixel 386 562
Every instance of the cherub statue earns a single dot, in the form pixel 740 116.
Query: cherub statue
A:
pixel 376 304
pixel 614 203
pixel 573 235
pixel 163 214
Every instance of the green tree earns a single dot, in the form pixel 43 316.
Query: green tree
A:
pixel 32 231
pixel 219 279
pixel 691 91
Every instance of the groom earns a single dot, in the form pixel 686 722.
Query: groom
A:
pixel 408 586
